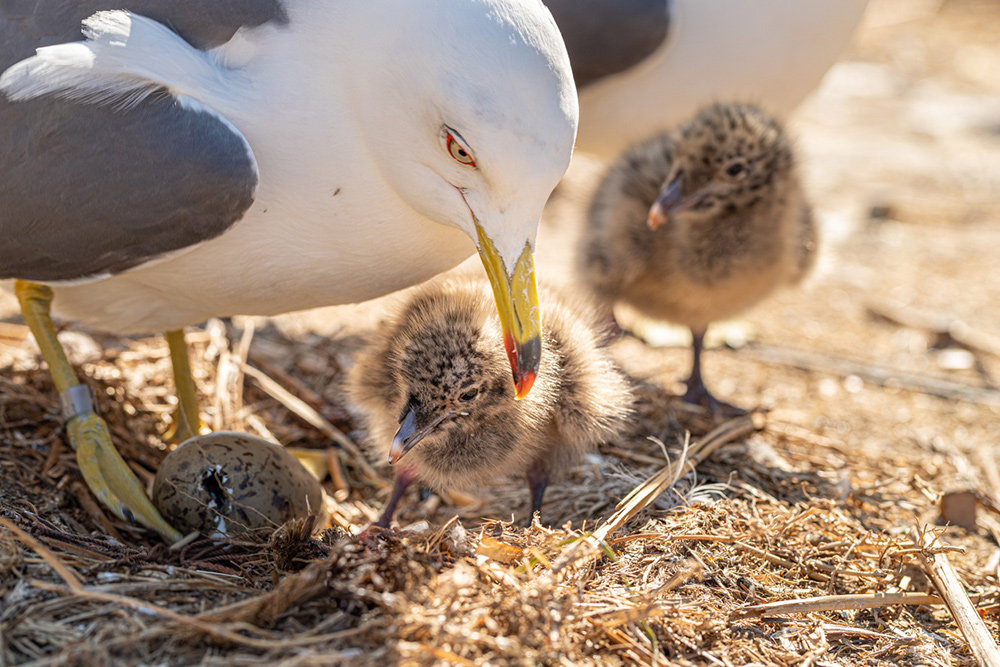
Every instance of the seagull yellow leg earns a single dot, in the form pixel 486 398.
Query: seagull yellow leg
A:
pixel 187 423
pixel 103 468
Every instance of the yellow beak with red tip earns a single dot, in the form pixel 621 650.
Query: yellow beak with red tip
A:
pixel 517 304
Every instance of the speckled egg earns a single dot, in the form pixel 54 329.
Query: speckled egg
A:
pixel 226 483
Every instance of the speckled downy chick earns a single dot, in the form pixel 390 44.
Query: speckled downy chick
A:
pixel 435 393
pixel 700 223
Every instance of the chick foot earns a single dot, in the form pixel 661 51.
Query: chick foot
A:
pixel 698 394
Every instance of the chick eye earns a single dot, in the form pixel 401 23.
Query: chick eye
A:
pixel 469 395
pixel 736 170
pixel 458 152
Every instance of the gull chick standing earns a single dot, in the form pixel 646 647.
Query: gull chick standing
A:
pixel 435 394
pixel 699 224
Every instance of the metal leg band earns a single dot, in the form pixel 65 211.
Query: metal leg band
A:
pixel 76 400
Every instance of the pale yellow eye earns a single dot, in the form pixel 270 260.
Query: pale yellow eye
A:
pixel 458 152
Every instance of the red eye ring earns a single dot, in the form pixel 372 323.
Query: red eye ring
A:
pixel 458 152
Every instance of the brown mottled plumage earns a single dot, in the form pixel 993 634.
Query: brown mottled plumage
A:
pixel 434 390
pixel 698 224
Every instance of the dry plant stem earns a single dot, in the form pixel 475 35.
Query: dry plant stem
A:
pixel 225 371
pixel 448 656
pixel 941 572
pixel 837 630
pixel 341 488
pixel 266 608
pixel 194 623
pixel 641 654
pixel 941 325
pixel 839 602
pixel 242 353
pixel 646 492
pixel 13 334
pixel 778 560
pixel 769 557
pixel 311 417
pixel 86 500
pixel 871 372
pixel 228 400
pixel 48 556
pixel 55 449
pixel 297 385
pixel 818 576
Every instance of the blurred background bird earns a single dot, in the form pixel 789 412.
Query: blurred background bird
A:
pixel 435 395
pixel 192 159
pixel 644 66
pixel 698 224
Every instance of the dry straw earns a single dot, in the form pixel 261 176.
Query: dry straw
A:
pixel 732 544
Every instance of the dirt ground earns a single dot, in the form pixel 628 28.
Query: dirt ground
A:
pixel 879 379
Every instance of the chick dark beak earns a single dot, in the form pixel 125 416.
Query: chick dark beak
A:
pixel 668 203
pixel 410 433
pixel 405 439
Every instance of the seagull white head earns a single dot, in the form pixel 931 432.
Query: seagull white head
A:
pixel 476 133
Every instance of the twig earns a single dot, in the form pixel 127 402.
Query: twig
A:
pixel 772 558
pixel 225 373
pixel 940 325
pixel 13 333
pixel 88 503
pixel 448 656
pixel 298 386
pixel 55 449
pixel 645 493
pixel 946 580
pixel 838 602
pixel 697 649
pixel 838 630
pixel 265 609
pixel 818 576
pixel 47 555
pixel 311 417
pixel 640 653
pixel 639 536
pixel 341 489
pixel 242 352
pixel 872 372
pixel 194 622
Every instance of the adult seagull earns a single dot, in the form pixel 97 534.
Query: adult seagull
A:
pixel 186 159
pixel 643 66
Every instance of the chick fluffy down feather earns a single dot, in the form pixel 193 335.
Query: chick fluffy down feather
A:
pixel 446 338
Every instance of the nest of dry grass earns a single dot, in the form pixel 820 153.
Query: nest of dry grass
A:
pixel 784 547
pixel 811 539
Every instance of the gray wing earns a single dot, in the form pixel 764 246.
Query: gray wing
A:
pixel 87 190
pixel 605 37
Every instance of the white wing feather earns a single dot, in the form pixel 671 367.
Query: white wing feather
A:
pixel 125 58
